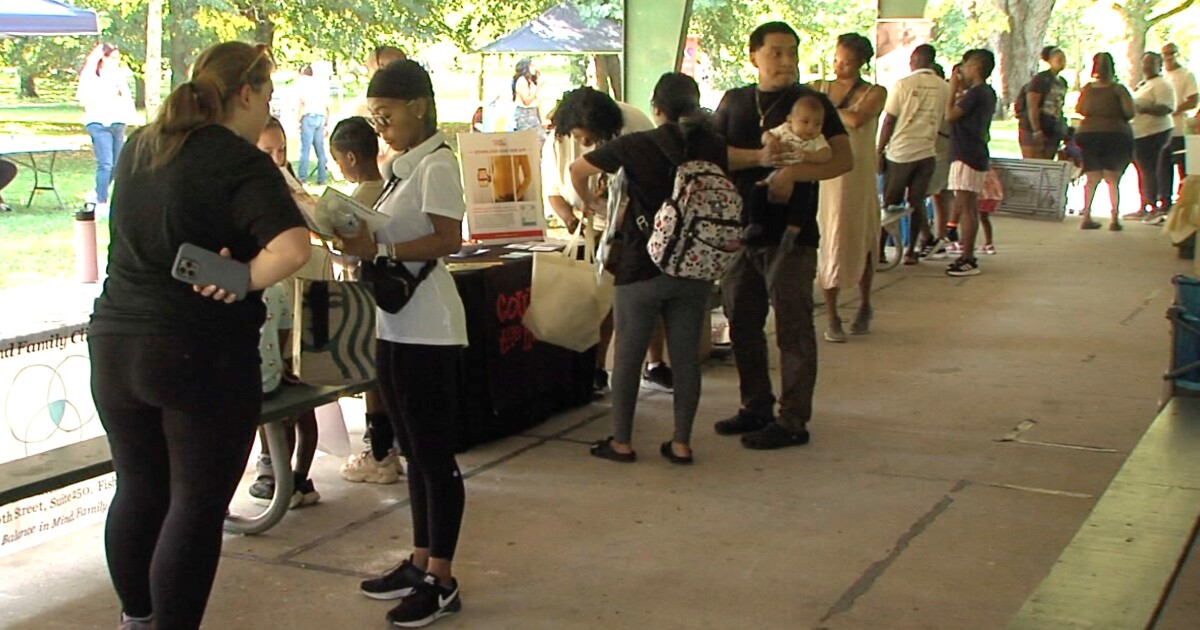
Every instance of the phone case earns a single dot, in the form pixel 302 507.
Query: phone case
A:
pixel 199 266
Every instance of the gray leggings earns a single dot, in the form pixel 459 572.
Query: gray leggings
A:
pixel 681 303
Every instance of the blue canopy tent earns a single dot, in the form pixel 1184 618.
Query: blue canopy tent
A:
pixel 20 18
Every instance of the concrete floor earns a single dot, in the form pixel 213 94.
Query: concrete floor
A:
pixel 910 509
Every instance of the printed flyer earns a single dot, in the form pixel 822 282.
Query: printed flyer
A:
pixel 502 182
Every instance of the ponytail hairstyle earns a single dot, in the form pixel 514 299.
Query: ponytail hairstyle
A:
pixel 217 76
pixel 677 96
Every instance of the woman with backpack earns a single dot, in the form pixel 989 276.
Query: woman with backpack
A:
pixel 1039 108
pixel 643 292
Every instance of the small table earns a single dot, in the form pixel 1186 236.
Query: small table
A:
pixel 43 174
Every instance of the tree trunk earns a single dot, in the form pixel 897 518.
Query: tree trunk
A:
pixel 180 48
pixel 139 92
pixel 608 75
pixel 264 31
pixel 1021 45
pixel 1138 22
pixel 28 86
pixel 151 86
pixel 1137 47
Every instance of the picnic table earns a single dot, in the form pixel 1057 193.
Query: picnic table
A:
pixel 24 150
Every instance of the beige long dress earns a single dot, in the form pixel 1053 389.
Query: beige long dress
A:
pixel 848 213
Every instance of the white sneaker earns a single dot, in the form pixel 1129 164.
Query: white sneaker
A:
pixel 362 468
pixel 304 495
pixel 954 248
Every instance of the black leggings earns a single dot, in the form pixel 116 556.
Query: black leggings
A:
pixel 1147 158
pixel 180 413
pixel 420 389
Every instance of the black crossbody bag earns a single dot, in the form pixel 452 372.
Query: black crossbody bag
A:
pixel 392 284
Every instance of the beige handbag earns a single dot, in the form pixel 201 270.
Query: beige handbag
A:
pixel 569 298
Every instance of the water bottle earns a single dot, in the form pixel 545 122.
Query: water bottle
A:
pixel 86 266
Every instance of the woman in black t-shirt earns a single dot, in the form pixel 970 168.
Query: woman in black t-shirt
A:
pixel 175 368
pixel 1041 123
pixel 643 292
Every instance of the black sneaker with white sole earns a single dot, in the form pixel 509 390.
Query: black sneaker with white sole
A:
pixel 399 582
pixel 659 378
pixel 963 267
pixel 429 602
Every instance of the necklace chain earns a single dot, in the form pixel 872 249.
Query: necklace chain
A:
pixel 762 116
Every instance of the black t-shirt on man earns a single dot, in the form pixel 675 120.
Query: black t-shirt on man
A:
pixel 219 191
pixel 738 120
pixel 649 159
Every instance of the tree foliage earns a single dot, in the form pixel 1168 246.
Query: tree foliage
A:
pixel 1140 16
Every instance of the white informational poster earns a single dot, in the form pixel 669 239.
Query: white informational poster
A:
pixel 503 186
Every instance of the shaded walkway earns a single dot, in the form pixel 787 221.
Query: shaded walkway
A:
pixel 955 453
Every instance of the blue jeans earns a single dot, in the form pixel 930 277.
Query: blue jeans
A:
pixel 312 135
pixel 106 144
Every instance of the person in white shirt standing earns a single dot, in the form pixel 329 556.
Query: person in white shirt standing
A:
pixel 107 108
pixel 1154 101
pixel 419 348
pixel 1187 96
pixel 908 139
pixel 313 96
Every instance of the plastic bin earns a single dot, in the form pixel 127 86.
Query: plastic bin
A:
pixel 1185 335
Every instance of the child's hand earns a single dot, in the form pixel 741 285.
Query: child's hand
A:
pixel 771 155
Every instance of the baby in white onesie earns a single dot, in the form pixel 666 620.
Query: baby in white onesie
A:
pixel 797 141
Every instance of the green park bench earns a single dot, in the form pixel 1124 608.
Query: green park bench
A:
pixel 1121 566
pixel 54 469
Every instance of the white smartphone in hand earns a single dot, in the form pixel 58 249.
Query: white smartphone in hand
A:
pixel 201 267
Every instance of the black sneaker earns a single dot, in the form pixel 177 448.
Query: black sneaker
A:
pixel 399 582
pixel 963 267
pixel 600 382
pixel 774 436
pixel 743 422
pixel 659 378
pixel 262 490
pixel 428 602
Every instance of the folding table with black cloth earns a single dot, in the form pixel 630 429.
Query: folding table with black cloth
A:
pixel 511 381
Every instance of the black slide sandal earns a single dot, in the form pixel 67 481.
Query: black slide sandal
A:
pixel 604 450
pixel 666 451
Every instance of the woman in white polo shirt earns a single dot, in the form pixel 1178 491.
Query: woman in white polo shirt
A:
pixel 420 347
pixel 1153 100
